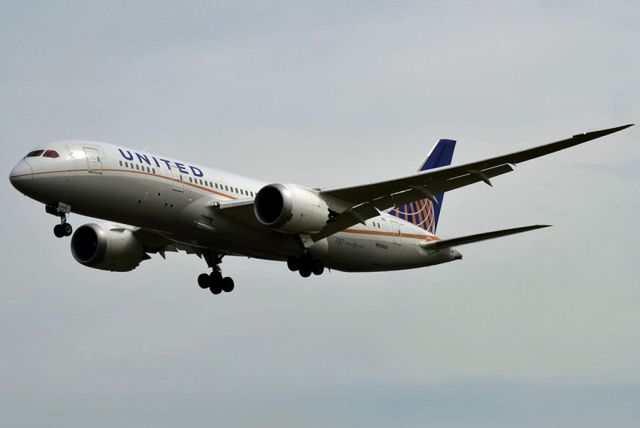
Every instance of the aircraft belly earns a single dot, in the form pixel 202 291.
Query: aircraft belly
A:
pixel 363 253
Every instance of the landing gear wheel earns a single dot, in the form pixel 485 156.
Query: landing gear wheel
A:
pixel 227 284
pixel 293 263
pixel 60 210
pixel 214 277
pixel 203 280
pixel 317 267
pixel 215 282
pixel 305 271
pixel 58 230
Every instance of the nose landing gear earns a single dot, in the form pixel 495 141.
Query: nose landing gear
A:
pixel 61 210
pixel 63 229
pixel 214 281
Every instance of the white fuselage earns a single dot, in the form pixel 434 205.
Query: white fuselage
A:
pixel 175 199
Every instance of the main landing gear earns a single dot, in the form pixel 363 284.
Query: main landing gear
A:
pixel 305 265
pixel 214 281
pixel 60 210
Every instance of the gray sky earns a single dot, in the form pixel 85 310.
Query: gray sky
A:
pixel 541 329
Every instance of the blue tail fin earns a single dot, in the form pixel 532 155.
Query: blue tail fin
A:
pixel 424 213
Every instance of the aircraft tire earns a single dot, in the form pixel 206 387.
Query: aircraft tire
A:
pixel 227 284
pixel 67 229
pixel 305 271
pixel 317 267
pixel 203 280
pixel 58 231
pixel 293 263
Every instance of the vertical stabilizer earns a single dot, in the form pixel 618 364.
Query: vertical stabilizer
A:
pixel 424 213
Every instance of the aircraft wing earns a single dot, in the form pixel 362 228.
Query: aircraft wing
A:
pixel 240 210
pixel 356 204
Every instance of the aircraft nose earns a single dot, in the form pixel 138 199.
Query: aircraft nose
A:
pixel 21 174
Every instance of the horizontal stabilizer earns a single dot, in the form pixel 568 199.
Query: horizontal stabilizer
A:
pixel 453 242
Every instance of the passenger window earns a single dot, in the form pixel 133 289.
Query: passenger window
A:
pixel 120 163
pixel 153 170
pixel 126 164
pixel 34 154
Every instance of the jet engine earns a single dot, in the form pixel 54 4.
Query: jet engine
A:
pixel 291 208
pixel 107 249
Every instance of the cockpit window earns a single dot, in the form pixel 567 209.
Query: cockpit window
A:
pixel 51 154
pixel 34 153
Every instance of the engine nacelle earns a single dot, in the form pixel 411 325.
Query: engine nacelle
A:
pixel 291 208
pixel 108 249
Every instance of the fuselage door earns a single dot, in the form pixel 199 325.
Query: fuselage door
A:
pixel 94 162
pixel 177 181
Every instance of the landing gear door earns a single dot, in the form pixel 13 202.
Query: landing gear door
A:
pixel 94 162
pixel 177 181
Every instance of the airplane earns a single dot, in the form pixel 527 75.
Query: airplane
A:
pixel 155 204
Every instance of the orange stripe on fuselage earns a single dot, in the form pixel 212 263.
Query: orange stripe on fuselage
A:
pixel 382 233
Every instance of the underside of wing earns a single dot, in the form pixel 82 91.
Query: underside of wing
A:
pixel 156 243
pixel 239 210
